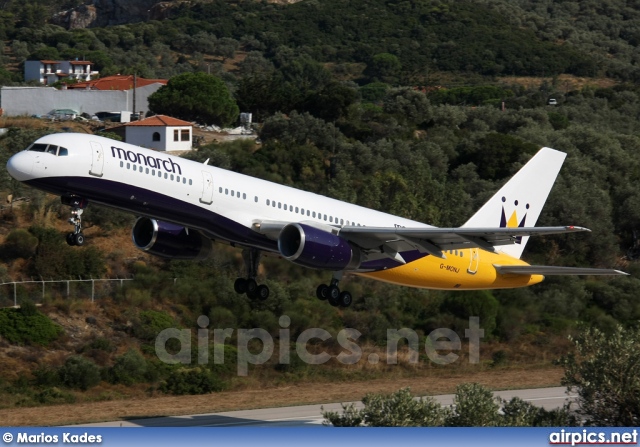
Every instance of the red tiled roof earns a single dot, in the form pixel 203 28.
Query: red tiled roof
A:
pixel 119 82
pixel 49 62
pixel 80 63
pixel 160 120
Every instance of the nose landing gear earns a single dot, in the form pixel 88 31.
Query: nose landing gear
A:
pixel 77 204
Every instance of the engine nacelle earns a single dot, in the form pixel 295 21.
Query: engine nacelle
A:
pixel 315 248
pixel 169 240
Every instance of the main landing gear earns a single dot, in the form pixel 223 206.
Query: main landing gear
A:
pixel 333 294
pixel 249 285
pixel 77 204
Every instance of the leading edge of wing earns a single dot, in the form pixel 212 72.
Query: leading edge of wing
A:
pixel 462 231
pixel 548 270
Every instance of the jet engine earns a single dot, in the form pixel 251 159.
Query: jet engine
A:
pixel 169 240
pixel 316 248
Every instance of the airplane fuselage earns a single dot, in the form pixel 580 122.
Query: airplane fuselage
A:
pixel 231 207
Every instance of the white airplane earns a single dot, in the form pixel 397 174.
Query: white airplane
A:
pixel 185 205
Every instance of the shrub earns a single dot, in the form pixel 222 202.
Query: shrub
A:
pixel 129 368
pixel 474 406
pixel 192 381
pixel 19 244
pixel 26 327
pixel 79 373
pixel 399 409
pixel 152 323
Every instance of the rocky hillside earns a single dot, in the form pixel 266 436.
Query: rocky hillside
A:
pixel 114 12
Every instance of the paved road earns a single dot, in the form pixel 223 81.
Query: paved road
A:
pixel 547 398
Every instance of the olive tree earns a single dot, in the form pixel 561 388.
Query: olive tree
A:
pixel 196 97
pixel 604 372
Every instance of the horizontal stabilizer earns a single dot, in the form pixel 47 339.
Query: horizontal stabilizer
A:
pixel 552 270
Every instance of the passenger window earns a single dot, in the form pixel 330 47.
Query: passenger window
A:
pixel 135 167
pixel 314 214
pixel 273 204
pixel 232 193
pixel 121 163
pixel 325 217
pixel 341 222
pixel 285 207
pixel 153 172
pixel 220 189
pixel 128 165
pixel 178 178
pixel 296 209
pixel 279 205
pixel 190 182
pixel 184 180
pixel 171 177
pixel 268 202
pixel 330 218
pixel 146 170
pixel 308 213
pixel 244 197
pixel 226 191
pixel 166 176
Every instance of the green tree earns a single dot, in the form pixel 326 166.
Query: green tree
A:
pixel 196 97
pixel 384 67
pixel 604 372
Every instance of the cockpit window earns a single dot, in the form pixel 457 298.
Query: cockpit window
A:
pixel 49 148
pixel 37 147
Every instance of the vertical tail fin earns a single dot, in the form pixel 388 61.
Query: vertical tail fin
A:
pixel 519 202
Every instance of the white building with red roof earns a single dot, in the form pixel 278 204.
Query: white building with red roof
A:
pixel 48 72
pixel 160 132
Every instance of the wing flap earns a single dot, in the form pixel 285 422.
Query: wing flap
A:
pixel 434 240
pixel 548 270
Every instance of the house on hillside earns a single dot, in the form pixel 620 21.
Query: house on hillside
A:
pixel 159 132
pixel 48 72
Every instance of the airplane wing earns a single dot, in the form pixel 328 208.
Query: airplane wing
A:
pixel 431 240
pixel 436 240
pixel 551 270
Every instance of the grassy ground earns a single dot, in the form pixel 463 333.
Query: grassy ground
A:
pixel 442 382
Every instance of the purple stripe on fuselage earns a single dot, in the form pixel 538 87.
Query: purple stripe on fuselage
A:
pixel 149 203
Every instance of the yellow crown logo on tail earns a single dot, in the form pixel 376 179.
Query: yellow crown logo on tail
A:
pixel 512 222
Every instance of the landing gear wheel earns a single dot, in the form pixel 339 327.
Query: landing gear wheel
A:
pixel 334 300
pixel 70 239
pixel 262 292
pixel 334 293
pixel 345 299
pixel 252 286
pixel 78 239
pixel 240 286
pixel 322 292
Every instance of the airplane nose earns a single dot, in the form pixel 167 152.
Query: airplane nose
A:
pixel 20 166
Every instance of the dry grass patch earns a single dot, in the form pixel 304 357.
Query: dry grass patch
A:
pixel 431 383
